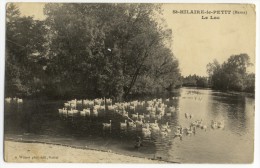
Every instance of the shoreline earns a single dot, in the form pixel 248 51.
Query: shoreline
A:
pixel 44 152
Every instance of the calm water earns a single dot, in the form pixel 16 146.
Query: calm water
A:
pixel 38 120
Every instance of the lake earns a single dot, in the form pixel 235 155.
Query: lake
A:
pixel 40 121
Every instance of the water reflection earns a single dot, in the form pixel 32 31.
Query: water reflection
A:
pixel 40 120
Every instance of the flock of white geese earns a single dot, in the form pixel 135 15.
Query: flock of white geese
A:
pixel 137 115
pixel 144 116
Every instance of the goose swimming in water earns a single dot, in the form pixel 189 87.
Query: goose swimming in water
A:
pixel 70 112
pixel 214 124
pixel 154 126
pixel 139 123
pixel 131 125
pixel 146 132
pixel 147 115
pixel 67 104
pixel 152 115
pixel 8 99
pixel 135 116
pixel 73 106
pixel 82 113
pixel 221 124
pixel 158 116
pixel 171 109
pixel 187 115
pixel 125 114
pixel 107 125
pixel 204 127
pixel 87 111
pixel 178 133
pixel 123 125
pixel 95 112
pixel 165 126
pixel 141 116
pixel 60 110
pixel 111 107
pixel 189 130
pixel 163 133
pixel 64 111
pixel 19 100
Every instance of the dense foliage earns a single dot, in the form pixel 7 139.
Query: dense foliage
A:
pixel 24 53
pixel 232 74
pixel 92 50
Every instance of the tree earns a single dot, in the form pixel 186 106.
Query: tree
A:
pixel 24 53
pixel 106 53
pixel 231 75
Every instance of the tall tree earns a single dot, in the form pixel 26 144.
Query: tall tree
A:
pixel 104 48
pixel 24 52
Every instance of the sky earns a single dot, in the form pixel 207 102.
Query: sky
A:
pixel 196 41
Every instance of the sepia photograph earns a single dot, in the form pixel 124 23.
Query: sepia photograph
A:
pixel 158 83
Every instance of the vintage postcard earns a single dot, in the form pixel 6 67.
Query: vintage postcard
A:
pixel 129 83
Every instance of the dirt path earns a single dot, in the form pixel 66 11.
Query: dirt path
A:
pixel 37 152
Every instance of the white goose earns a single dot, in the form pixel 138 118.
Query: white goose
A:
pixel 75 111
pixel 79 102
pixel 214 124
pixel 152 115
pixel 123 125
pixel 147 115
pixel 87 111
pixel 165 127
pixel 135 116
pixel 158 116
pixel 171 109
pixel 67 104
pixel 73 105
pixel 131 125
pixel 146 132
pixel 60 110
pixel 82 113
pixel 189 130
pixel 221 124
pixel 204 127
pixel 141 116
pixel 111 108
pixel 19 100
pixel 178 133
pixel 168 114
pixel 139 123
pixel 70 112
pixel 107 125
pixel 64 111
pixel 163 133
pixel 154 126
pixel 8 99
pixel 95 112
pixel 125 114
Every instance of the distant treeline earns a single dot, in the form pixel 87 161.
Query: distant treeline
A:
pixel 89 50
pixel 195 81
